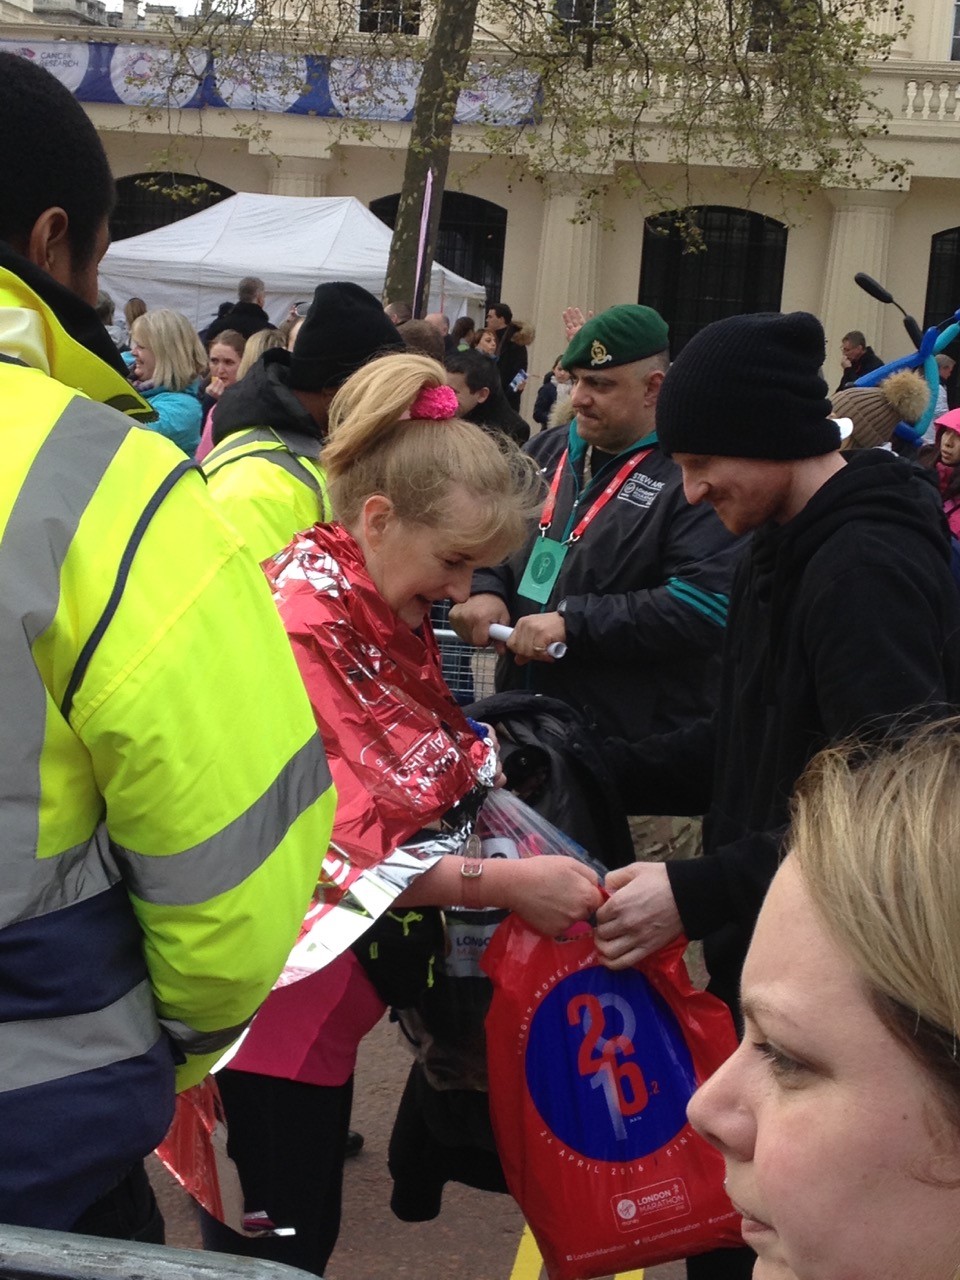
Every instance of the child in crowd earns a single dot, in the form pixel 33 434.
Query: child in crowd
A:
pixel 485 341
pixel 948 467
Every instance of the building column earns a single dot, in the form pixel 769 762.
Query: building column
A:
pixel 567 274
pixel 860 238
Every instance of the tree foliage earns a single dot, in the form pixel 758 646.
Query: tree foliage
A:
pixel 772 88
pixel 636 93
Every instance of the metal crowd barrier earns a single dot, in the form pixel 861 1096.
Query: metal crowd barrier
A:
pixel 467 671
pixel 29 1254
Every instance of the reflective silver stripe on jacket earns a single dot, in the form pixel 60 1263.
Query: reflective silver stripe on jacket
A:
pixel 47 884
pixel 46 1049
pixel 229 856
pixel 62 480
pixel 191 1041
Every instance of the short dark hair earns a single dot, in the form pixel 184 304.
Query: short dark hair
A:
pixel 422 338
pixel 399 312
pixel 105 308
pixel 477 370
pixel 50 157
pixel 249 287
pixel 461 327
pixel 856 337
pixel 500 309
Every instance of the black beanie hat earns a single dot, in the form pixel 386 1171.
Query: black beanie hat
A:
pixel 749 387
pixel 345 328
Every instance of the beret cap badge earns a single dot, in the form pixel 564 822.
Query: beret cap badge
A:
pixel 619 335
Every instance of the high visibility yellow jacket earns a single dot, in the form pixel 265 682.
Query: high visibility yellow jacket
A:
pixel 164 797
pixel 264 472
pixel 267 492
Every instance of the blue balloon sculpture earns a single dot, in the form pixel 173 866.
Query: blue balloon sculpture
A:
pixel 934 341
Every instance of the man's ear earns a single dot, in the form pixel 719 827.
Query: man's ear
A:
pixel 482 395
pixel 376 515
pixel 654 383
pixel 48 245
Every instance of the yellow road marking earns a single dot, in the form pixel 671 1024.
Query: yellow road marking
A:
pixel 528 1263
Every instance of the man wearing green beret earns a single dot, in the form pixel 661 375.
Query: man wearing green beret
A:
pixel 621 569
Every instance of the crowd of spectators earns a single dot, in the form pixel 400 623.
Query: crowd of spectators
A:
pixel 744 599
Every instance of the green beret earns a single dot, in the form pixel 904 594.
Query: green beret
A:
pixel 618 335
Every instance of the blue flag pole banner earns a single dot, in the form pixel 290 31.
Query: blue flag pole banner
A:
pixel 377 89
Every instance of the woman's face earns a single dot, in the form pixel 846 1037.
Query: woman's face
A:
pixel 949 447
pixel 833 1136
pixel 487 344
pixel 224 363
pixel 144 360
pixel 413 565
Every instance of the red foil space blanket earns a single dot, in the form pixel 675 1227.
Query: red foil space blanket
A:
pixel 401 754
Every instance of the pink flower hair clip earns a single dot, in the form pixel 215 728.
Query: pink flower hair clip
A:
pixel 435 404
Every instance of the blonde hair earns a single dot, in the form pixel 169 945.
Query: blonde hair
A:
pixel 257 344
pixel 180 358
pixel 417 464
pixel 876 839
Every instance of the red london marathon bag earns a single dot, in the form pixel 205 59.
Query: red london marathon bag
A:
pixel 590 1074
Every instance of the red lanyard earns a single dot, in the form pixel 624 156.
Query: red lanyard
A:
pixel 546 516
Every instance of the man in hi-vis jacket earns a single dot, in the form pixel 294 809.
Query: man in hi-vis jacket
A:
pixel 164 798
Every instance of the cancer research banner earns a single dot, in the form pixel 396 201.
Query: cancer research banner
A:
pixel 145 75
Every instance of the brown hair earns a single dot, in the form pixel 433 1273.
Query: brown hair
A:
pixel 419 464
pixel 133 309
pixel 229 338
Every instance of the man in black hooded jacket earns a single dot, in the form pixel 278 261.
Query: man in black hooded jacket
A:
pixel 844 617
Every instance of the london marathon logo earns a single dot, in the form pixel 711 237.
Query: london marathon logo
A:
pixel 621 1042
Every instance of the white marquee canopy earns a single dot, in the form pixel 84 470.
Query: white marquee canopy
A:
pixel 293 243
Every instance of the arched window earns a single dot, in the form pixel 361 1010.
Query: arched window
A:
pixel 943 277
pixel 146 201
pixel 943 294
pixel 738 269
pixel 471 237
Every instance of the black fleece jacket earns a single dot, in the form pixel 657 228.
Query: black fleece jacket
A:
pixel 643 594
pixel 263 399
pixel 841 621
pixel 246 318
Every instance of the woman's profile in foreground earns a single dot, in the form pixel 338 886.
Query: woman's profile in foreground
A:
pixel 839 1114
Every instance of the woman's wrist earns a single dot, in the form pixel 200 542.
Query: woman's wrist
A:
pixel 498 883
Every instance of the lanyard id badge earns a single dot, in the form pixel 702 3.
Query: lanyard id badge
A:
pixel 547 555
pixel 543 569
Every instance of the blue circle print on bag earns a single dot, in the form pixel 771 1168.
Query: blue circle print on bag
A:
pixel 607 1065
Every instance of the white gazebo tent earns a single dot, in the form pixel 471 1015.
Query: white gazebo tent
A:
pixel 293 243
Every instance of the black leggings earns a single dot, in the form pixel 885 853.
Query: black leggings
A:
pixel 288 1141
